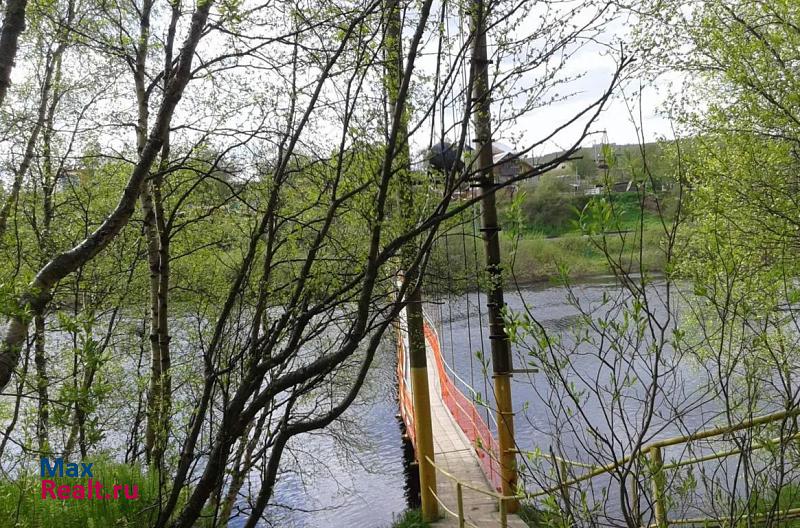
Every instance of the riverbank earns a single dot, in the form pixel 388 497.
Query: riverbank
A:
pixel 536 258
pixel 544 236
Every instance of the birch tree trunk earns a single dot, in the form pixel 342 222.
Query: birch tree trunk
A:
pixel 51 94
pixel 30 147
pixel 13 26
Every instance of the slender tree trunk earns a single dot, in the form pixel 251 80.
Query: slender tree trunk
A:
pixel 154 391
pixel 30 148
pixel 90 370
pixel 159 393
pixel 42 382
pixel 165 381
pixel 48 185
pixel 51 94
pixel 164 258
pixel 76 385
pixel 133 450
pixel 268 486
pixel 243 463
pixel 146 200
pixel 240 467
pixel 13 25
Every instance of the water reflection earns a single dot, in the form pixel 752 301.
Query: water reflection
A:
pixel 375 482
pixel 360 475
pixel 368 484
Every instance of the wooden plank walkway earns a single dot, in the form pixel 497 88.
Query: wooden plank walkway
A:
pixel 454 454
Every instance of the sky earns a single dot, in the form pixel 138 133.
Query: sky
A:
pixel 637 111
pixel 592 62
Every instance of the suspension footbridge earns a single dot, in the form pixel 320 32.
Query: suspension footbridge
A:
pixel 468 486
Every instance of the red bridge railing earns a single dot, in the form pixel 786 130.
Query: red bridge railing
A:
pixel 461 407
pixel 404 387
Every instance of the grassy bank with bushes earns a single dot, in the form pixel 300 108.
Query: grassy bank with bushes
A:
pixel 559 232
pixel 548 210
pixel 537 258
pixel 545 234
pixel 22 506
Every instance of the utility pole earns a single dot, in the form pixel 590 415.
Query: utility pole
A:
pixel 416 334
pixel 501 349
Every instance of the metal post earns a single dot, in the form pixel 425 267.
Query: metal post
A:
pixel 416 336
pixel 659 503
pixel 460 499
pixel 501 350
pixel 422 407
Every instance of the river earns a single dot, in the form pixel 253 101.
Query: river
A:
pixel 366 484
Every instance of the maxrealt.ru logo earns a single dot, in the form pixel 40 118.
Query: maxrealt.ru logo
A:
pixel 91 490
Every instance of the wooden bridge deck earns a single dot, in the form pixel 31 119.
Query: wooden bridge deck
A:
pixel 454 453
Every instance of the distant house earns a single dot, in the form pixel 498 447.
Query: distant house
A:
pixel 507 163
pixel 616 187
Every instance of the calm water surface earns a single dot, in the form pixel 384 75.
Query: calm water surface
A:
pixel 366 484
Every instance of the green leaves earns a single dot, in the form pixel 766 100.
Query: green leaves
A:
pixel 743 230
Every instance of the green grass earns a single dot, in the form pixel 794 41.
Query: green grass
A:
pixel 21 505
pixel 538 258
pixel 410 519
pixel 556 214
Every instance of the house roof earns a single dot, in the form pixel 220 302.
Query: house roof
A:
pixel 500 147
pixel 499 158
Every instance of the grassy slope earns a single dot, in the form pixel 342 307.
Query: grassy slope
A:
pixel 540 256
pixel 21 505
pixel 551 238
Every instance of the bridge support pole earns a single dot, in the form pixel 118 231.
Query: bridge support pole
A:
pixel 501 349
pixel 422 407
pixel 659 500
pixel 393 50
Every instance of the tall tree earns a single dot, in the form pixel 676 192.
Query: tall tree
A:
pixel 66 262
